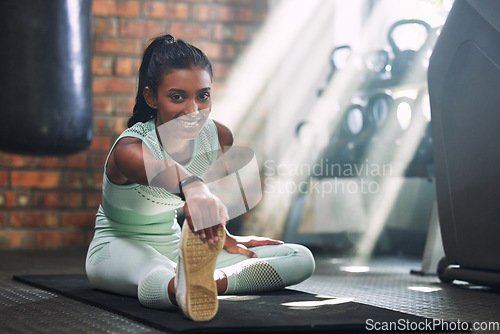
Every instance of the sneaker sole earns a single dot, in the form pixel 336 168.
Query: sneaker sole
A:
pixel 199 264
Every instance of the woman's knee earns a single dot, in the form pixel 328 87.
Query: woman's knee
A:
pixel 304 259
pixel 295 265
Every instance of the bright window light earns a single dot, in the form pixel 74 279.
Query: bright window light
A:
pixel 236 298
pixel 426 108
pixel 424 288
pixel 317 303
pixel 355 269
pixel 410 36
pixel 403 114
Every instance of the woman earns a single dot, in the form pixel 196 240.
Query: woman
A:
pixel 154 168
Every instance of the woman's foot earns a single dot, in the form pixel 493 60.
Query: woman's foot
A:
pixel 220 280
pixel 195 287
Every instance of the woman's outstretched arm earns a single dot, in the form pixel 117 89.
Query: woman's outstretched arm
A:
pixel 133 162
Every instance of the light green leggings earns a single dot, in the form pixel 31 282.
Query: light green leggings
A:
pixel 134 268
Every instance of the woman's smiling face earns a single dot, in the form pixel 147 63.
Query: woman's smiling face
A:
pixel 183 102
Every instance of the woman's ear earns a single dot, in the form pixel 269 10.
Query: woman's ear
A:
pixel 150 97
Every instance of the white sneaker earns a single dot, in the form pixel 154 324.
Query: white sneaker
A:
pixel 195 287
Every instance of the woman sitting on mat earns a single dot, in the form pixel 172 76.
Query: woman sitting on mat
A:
pixel 138 247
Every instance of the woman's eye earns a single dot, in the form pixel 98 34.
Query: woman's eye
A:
pixel 176 98
pixel 204 96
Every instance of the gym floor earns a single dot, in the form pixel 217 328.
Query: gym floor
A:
pixel 385 282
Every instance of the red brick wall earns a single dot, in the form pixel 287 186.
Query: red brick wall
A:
pixel 50 202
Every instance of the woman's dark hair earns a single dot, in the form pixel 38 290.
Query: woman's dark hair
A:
pixel 163 55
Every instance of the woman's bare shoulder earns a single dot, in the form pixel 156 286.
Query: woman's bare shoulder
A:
pixel 126 162
pixel 225 135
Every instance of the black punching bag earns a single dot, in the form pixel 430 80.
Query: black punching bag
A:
pixel 45 68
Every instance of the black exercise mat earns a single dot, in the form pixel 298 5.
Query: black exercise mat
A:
pixel 282 311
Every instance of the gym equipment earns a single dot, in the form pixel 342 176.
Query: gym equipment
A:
pixel 45 66
pixel 464 77
pixel 285 311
